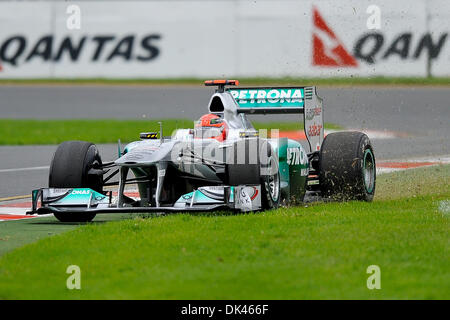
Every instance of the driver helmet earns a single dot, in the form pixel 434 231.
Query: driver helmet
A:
pixel 211 126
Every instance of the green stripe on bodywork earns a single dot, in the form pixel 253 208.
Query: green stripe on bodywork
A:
pixel 293 183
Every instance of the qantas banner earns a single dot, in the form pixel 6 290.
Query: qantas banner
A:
pixel 156 39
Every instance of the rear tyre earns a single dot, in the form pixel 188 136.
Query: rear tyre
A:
pixel 69 169
pixel 347 167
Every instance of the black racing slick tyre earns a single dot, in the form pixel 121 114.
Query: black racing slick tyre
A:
pixel 347 167
pixel 254 164
pixel 242 165
pixel 69 169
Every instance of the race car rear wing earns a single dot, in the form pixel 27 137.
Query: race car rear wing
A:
pixel 285 100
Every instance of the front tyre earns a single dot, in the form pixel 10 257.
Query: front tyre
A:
pixel 270 182
pixel 263 171
pixel 347 167
pixel 69 169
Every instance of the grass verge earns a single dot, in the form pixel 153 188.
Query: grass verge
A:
pixel 337 81
pixel 319 251
pixel 29 132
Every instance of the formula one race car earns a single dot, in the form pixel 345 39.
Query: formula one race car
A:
pixel 222 163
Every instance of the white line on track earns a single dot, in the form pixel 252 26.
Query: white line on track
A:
pixel 9 210
pixel 24 169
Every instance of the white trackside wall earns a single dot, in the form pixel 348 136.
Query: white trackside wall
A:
pixel 224 38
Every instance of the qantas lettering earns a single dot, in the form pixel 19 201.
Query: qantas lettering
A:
pixel 17 49
pixel 370 45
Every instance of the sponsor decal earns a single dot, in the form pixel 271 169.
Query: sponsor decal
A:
pixel 314 130
pixel 19 49
pixel 296 156
pixel 311 113
pixel 135 156
pixel 246 196
pixel 270 97
pixel 251 192
pixel 83 192
pixel 370 47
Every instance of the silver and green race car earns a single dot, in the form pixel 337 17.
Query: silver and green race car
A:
pixel 222 163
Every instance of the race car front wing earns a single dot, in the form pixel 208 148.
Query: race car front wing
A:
pixel 76 200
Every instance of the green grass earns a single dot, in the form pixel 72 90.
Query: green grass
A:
pixel 337 81
pixel 28 132
pixel 17 233
pixel 431 181
pixel 319 251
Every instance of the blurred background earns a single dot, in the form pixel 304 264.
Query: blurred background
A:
pixel 223 38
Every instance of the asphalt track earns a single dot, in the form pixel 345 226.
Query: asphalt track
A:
pixel 418 119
